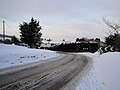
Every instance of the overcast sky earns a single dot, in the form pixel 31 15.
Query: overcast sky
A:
pixel 68 19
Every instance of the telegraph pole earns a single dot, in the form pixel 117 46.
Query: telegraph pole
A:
pixel 3 30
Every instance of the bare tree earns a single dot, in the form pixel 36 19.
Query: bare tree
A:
pixel 114 26
pixel 115 39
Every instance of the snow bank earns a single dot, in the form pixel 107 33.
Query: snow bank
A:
pixel 104 74
pixel 12 55
pixel 91 55
pixel 90 81
pixel 107 67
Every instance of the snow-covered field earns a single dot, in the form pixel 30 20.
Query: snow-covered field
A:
pixel 12 55
pixel 104 73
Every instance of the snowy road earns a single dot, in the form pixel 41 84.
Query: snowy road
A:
pixel 49 75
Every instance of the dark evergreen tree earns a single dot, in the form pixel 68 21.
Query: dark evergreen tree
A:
pixel 110 40
pixel 15 40
pixel 30 33
pixel 117 42
pixel 83 39
pixel 77 40
pixel 97 40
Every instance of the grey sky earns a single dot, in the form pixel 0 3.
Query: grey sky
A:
pixel 60 19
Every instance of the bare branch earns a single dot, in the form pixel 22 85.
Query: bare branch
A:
pixel 112 25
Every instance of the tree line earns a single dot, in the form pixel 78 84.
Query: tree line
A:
pixel 30 33
pixel 113 39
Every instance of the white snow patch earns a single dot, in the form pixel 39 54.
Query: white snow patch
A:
pixel 91 55
pixel 108 70
pixel 104 74
pixel 89 81
pixel 12 55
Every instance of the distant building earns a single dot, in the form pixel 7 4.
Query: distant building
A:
pixel 6 36
pixel 46 45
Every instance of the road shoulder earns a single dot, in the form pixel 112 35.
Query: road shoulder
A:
pixel 9 70
pixel 76 80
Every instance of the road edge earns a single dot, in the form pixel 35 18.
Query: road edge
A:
pixel 72 85
pixel 9 70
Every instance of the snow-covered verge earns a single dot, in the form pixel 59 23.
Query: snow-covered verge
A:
pixel 104 74
pixel 12 55
pixel 108 70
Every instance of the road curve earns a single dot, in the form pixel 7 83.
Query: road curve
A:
pixel 50 75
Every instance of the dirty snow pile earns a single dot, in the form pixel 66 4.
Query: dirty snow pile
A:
pixel 12 55
pixel 104 74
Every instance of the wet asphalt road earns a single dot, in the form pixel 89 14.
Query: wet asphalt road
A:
pixel 48 75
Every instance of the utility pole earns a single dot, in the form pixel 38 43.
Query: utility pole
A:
pixel 3 30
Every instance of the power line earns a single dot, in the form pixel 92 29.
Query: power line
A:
pixel 8 25
pixel 12 29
